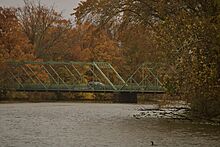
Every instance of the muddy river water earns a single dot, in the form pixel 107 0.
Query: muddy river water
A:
pixel 94 125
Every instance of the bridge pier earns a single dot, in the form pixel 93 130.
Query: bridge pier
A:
pixel 125 97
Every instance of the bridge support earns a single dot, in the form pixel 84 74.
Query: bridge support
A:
pixel 125 97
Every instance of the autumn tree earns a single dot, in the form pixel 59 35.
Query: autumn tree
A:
pixel 130 22
pixel 97 46
pixel 193 40
pixel 13 43
pixel 185 31
pixel 43 26
pixel 83 43
pixel 14 46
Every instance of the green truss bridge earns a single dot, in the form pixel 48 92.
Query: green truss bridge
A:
pixel 77 77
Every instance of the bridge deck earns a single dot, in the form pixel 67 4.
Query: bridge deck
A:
pixel 86 88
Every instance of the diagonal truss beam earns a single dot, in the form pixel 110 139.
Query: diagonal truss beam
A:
pixel 158 81
pixel 16 79
pixel 131 77
pixel 139 84
pixel 68 70
pixel 29 76
pixel 36 76
pixel 50 75
pixel 59 76
pixel 117 74
pixel 106 78
pixel 94 74
pixel 78 73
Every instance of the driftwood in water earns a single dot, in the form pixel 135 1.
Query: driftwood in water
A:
pixel 176 113
pixel 172 112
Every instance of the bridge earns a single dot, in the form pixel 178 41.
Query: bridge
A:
pixel 77 77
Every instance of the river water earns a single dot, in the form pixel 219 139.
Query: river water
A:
pixel 93 124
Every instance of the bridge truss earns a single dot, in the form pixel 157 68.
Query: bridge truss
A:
pixel 77 77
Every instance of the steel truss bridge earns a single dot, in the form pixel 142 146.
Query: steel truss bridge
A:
pixel 77 77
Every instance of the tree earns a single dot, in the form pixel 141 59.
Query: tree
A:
pixel 43 26
pixel 98 46
pixel 194 54
pixel 186 31
pixel 14 46
pixel 13 43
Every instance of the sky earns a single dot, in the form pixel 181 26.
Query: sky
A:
pixel 64 6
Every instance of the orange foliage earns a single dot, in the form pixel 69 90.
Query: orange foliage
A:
pixel 13 43
pixel 84 43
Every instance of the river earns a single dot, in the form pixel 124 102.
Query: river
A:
pixel 96 125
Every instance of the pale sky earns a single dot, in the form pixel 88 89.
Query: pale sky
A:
pixel 64 6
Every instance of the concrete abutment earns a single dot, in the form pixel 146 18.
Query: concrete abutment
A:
pixel 125 97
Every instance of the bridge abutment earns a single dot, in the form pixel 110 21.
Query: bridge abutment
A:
pixel 125 97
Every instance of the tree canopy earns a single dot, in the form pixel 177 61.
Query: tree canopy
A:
pixel 183 34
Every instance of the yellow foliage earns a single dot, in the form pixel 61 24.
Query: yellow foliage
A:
pixel 87 96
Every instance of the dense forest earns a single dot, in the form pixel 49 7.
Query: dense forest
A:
pixel 182 35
